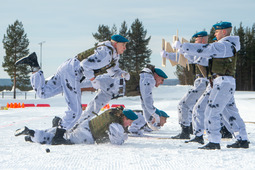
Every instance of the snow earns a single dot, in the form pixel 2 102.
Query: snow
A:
pixel 135 153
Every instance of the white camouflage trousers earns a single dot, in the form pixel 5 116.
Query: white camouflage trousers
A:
pixel 80 134
pixel 221 106
pixel 44 136
pixel 198 116
pixel 66 81
pixel 76 135
pixel 109 88
pixel 187 103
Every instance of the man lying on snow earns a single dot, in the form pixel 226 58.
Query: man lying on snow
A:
pixel 107 127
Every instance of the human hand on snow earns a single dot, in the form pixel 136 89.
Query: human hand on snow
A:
pixel 125 75
pixel 138 132
pixel 151 125
pixel 155 121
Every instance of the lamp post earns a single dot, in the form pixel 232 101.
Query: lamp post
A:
pixel 41 53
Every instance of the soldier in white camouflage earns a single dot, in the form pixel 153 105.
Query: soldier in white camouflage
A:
pixel 188 101
pixel 85 67
pixel 221 102
pixel 107 127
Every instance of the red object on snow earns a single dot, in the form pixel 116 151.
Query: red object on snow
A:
pixel 84 106
pixel 42 105
pixel 29 105
pixel 117 105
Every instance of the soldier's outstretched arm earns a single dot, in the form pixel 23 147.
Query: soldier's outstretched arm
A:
pixel 117 134
pixel 216 50
pixel 169 55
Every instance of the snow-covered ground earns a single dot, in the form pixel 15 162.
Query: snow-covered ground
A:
pixel 135 153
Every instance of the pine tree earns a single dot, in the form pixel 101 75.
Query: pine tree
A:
pixel 140 53
pixel 249 45
pixel 185 76
pixel 114 30
pixel 125 59
pixel 180 75
pixel 15 43
pixel 252 70
pixel 124 30
pixel 241 58
pixel 211 35
pixel 104 33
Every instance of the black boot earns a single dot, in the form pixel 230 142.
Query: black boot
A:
pixel 225 133
pixel 56 121
pixel 24 131
pixel 239 144
pixel 58 139
pixel 198 139
pixel 30 60
pixel 28 139
pixel 210 146
pixel 184 134
pixel 191 129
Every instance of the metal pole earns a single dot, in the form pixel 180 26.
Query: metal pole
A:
pixel 41 53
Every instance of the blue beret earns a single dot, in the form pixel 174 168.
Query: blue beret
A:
pixel 160 73
pixel 163 114
pixel 130 114
pixel 222 25
pixel 214 39
pixel 119 38
pixel 200 34
pixel 158 112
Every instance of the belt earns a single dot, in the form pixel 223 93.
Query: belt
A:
pixel 199 76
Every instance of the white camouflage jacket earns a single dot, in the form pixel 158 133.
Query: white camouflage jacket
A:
pixel 191 59
pixel 147 83
pixel 224 48
pixel 102 57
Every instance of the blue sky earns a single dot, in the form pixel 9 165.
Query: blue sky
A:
pixel 67 26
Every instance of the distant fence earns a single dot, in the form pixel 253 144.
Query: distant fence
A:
pixel 19 95
pixel 29 94
pixel 32 95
